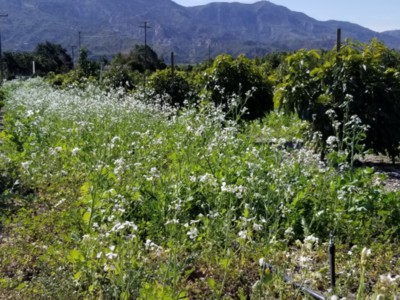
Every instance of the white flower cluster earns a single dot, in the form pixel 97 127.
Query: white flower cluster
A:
pixel 121 226
pixel 331 140
pixel 153 174
pixel 238 191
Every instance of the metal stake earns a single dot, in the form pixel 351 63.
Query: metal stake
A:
pixel 332 250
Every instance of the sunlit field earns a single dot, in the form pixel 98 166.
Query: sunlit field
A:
pixel 107 194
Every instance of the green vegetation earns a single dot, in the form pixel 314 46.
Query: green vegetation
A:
pixel 48 57
pixel 239 81
pixel 114 191
pixel 361 80
pixel 174 88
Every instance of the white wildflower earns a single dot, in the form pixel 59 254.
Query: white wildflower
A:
pixel 261 262
pixel 310 241
pixel 257 227
pixel 75 151
pixel 111 255
pixel 389 279
pixel 115 139
pixel 173 221
pixel 332 140
pixel 242 234
pixel 25 165
pixel 192 233
pixel 120 226
pixel 331 113
pixel 59 203
pixel 108 268
pixel 150 245
pixel 304 260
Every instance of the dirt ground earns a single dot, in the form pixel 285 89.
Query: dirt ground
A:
pixel 383 165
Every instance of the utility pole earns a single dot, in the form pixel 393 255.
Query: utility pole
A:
pixel 79 40
pixel 172 66
pixel 338 39
pixel 73 55
pixel 209 52
pixel 1 53
pixel 145 27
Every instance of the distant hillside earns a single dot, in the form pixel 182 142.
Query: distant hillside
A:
pixel 108 27
pixel 393 33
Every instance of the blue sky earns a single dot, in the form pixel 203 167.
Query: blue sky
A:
pixel 376 15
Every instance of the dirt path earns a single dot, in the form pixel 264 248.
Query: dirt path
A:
pixel 383 165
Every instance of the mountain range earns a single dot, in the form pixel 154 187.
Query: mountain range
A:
pixel 106 27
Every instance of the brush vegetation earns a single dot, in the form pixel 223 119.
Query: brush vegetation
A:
pixel 119 192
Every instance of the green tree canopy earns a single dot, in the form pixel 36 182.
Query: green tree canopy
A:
pixel 238 80
pixel 17 64
pixel 86 66
pixel 361 80
pixel 48 57
pixel 141 58
pixel 52 58
pixel 174 87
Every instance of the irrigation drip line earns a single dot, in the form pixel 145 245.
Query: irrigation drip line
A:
pixel 304 289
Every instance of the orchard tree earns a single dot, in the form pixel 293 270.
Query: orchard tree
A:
pixel 370 75
pixel 18 64
pixel 51 58
pixel 140 58
pixel 361 80
pixel 173 88
pixel 87 66
pixel 238 83
pixel 48 57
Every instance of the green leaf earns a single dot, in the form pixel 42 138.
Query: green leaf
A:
pixel 183 296
pixel 77 275
pixel 21 286
pixel 246 213
pixel 86 217
pixel 211 283
pixel 75 256
pixel 225 263
pixel 124 295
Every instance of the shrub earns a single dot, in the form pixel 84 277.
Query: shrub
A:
pixel 361 80
pixel 175 87
pixel 238 80
pixel 118 76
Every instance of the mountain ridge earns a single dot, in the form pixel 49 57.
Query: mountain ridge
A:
pixel 191 32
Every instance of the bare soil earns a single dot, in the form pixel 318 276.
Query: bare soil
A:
pixel 383 165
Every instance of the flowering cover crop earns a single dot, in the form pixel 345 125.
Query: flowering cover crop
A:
pixel 112 195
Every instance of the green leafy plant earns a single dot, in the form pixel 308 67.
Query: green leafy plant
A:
pixel 238 83
pixel 172 88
